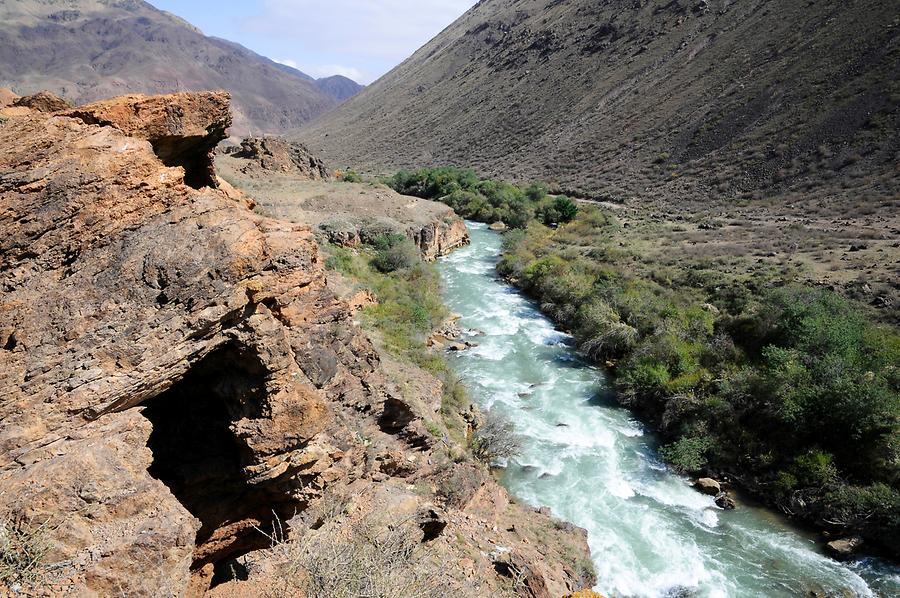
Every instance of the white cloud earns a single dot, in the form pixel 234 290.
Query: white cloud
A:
pixel 287 62
pixel 373 35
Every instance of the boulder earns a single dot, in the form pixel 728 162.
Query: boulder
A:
pixel 844 548
pixel 498 227
pixel 708 486
pixel 725 501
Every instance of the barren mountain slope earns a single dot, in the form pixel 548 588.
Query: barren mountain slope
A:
pixel 91 49
pixel 675 98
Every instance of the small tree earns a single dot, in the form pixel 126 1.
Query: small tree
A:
pixel 565 208
pixel 496 439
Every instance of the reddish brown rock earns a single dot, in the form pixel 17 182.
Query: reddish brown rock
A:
pixel 7 97
pixel 128 288
pixel 183 128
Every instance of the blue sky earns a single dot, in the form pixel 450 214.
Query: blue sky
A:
pixel 361 39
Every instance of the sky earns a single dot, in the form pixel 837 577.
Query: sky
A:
pixel 360 39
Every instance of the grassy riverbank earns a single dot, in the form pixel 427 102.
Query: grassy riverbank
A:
pixel 792 391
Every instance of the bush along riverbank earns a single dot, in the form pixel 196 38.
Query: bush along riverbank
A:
pixel 790 391
pixel 485 200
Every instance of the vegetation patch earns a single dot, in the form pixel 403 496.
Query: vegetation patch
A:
pixel 371 559
pixel 485 200
pixel 23 549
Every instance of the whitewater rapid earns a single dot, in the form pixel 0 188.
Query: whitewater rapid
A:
pixel 594 464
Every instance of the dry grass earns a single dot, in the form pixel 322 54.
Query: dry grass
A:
pixel 367 559
pixel 23 549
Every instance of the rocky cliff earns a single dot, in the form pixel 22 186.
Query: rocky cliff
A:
pixel 178 386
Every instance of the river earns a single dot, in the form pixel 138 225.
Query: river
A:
pixel 595 465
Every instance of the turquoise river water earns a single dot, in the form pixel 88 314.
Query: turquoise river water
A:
pixel 590 461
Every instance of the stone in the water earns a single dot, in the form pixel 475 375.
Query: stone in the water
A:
pixel 708 486
pixel 844 548
pixel 724 501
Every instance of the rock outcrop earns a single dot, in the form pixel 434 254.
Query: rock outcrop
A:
pixel 175 377
pixel 183 128
pixel 268 155
pixel 345 214
pixel 43 101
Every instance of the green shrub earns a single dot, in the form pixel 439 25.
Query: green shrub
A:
pixel 393 256
pixel 647 378
pixel 557 210
pixel 474 198
pixel 349 176
pixel 815 469
pixel 688 454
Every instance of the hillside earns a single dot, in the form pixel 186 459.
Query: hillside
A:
pixel 86 50
pixel 674 99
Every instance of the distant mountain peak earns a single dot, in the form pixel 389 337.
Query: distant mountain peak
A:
pixel 339 87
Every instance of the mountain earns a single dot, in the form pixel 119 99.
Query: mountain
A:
pixel 617 98
pixel 339 87
pixel 86 50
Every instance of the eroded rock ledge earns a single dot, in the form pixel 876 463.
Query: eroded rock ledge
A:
pixel 175 375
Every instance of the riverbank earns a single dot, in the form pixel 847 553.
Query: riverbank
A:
pixel 595 465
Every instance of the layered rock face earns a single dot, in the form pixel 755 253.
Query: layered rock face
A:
pixel 174 373
pixel 123 287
